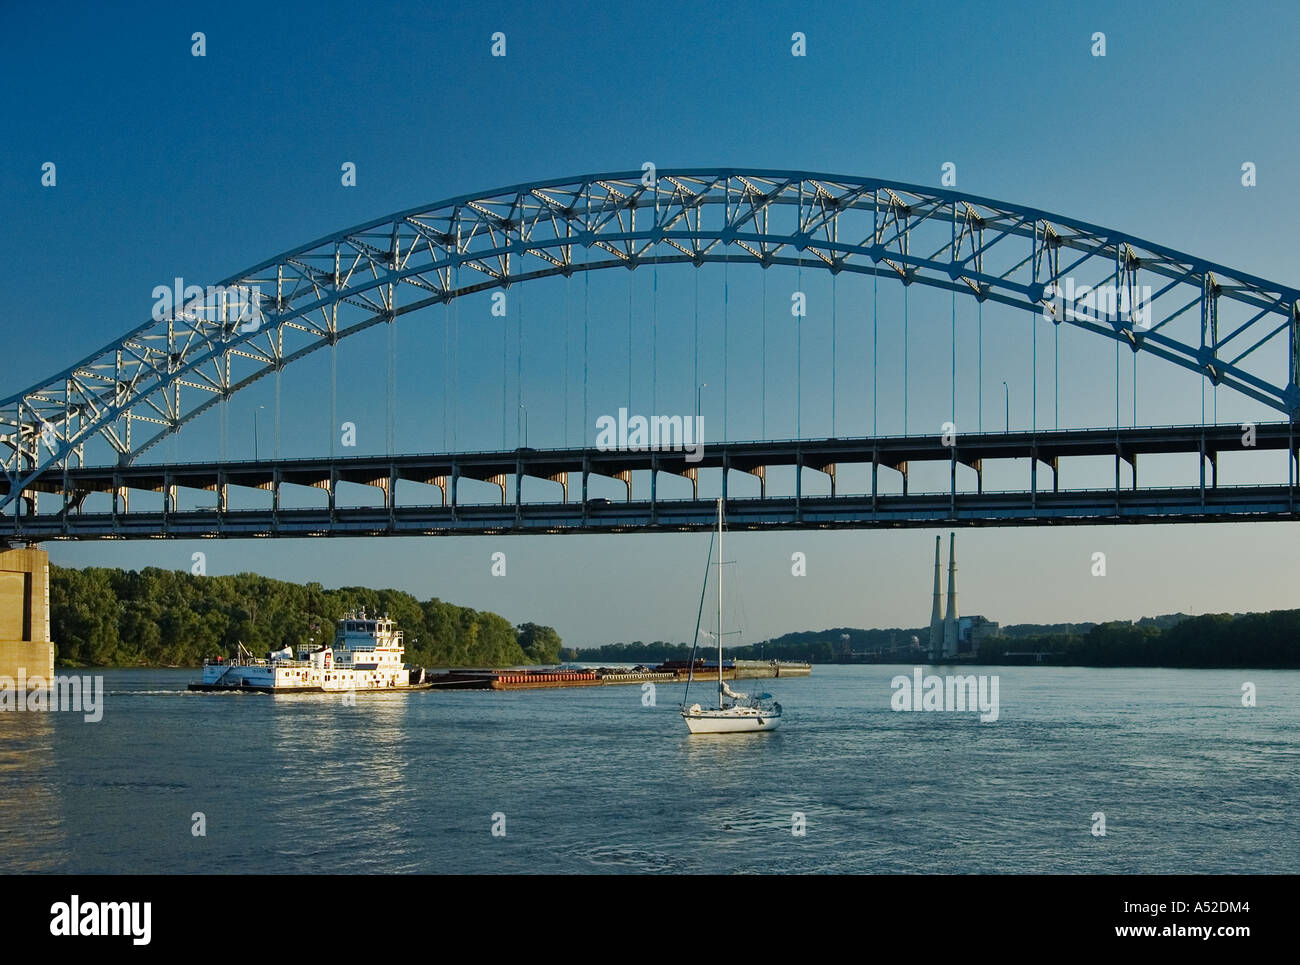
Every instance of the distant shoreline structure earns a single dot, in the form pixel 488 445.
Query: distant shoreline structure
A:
pixel 1265 640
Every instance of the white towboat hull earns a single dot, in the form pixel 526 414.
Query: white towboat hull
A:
pixel 365 657
pixel 729 722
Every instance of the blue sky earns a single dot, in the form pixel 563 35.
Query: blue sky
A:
pixel 171 165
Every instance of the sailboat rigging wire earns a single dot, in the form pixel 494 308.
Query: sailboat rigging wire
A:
pixel 695 641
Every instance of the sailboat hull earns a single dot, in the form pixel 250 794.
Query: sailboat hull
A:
pixel 744 716
pixel 726 722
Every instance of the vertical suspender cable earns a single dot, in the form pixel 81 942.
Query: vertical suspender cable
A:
pixel 696 386
pixel 225 417
pixel 979 309
pixel 1116 384
pixel 1033 322
pixel 455 364
pixel 519 364
pixel 505 341
pixel 446 360
pixel 586 309
pixel 567 279
pixel 654 344
pixel 277 406
pixel 654 323
pixel 954 358
pixel 1202 380
pixel 390 430
pixel 726 302
pixel 631 294
pixel 630 276
pixel 334 335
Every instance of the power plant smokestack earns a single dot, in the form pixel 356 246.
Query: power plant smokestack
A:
pixel 950 621
pixel 936 612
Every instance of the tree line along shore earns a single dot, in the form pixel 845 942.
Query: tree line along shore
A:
pixel 1220 640
pixel 106 617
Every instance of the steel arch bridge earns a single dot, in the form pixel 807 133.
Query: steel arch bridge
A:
pixel 1204 317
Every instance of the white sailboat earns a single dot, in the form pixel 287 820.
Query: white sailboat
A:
pixel 744 714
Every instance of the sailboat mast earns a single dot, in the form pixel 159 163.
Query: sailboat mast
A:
pixel 720 557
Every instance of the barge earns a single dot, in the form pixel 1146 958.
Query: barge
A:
pixel 671 672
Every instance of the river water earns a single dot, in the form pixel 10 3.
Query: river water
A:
pixel 592 780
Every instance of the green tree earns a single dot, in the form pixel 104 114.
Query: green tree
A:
pixel 540 644
pixel 83 616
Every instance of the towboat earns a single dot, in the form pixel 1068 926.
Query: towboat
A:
pixel 366 655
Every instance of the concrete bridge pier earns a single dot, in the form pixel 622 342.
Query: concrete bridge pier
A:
pixel 25 615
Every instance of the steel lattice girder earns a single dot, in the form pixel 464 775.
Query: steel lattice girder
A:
pixel 166 372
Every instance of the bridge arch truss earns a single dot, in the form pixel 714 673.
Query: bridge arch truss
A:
pixel 1204 317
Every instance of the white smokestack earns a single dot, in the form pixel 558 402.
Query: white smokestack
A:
pixel 936 611
pixel 950 621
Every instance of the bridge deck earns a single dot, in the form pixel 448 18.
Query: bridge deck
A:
pixel 1036 505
